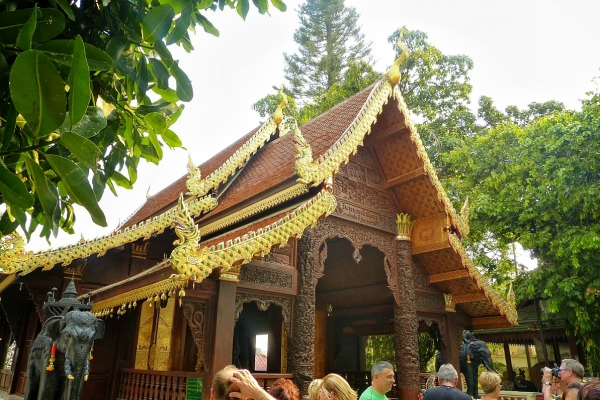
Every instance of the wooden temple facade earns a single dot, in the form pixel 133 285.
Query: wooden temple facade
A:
pixel 317 236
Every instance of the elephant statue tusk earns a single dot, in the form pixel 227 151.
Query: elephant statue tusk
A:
pixel 85 378
pixel 70 377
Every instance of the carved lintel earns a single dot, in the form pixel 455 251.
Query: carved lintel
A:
pixel 263 302
pixel 140 250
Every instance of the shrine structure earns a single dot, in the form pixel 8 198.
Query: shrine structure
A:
pixel 316 236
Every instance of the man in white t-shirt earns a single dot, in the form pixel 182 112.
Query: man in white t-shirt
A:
pixel 382 380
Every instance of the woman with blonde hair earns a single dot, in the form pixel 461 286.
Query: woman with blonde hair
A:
pixel 490 383
pixel 313 389
pixel 334 387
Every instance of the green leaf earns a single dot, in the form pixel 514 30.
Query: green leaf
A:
pixel 171 138
pixel 204 4
pixel 118 49
pixel 66 7
pixel 242 8
pixel 48 198
pixel 156 122
pixel 13 190
pixel 178 5
pixel 83 149
pixel 164 53
pixel 38 92
pixel 160 73
pixel 79 83
pixel 145 110
pixel 208 26
pixel 157 22
pixel 77 186
pixel 280 5
pixel 92 122
pixel 142 78
pixel 121 180
pixel 61 51
pixel 9 126
pixel 50 23
pixel 262 5
pixel 181 26
pixel 184 89
pixel 26 32
pixel 7 225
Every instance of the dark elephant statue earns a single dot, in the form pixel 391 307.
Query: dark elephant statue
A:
pixel 474 353
pixel 59 357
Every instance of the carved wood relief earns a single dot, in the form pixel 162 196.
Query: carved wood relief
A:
pixel 334 228
pixel 257 275
pixel 263 302
pixel 194 311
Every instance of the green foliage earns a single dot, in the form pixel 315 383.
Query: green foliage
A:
pixel 538 185
pixel 329 38
pixel 380 348
pixel 85 94
pixel 427 352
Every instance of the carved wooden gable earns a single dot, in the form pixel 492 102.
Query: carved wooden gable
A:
pixel 361 195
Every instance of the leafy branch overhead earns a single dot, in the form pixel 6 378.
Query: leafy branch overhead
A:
pixel 88 90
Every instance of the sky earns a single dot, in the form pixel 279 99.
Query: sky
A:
pixel 523 51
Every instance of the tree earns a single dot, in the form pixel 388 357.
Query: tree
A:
pixel 329 38
pixel 85 93
pixel 538 185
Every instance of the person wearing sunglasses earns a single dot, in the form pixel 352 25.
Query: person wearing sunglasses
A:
pixel 382 380
pixel 491 384
pixel 570 374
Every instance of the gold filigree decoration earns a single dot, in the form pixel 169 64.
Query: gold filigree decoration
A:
pixel 450 306
pixel 404 227
pixel 256 208
pixel 125 301
pixel 25 262
pixel 237 160
pixel 393 73
pixel 315 172
pixel 505 308
pixel 193 262
pixel 464 215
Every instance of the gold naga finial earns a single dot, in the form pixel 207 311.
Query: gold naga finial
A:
pixel 278 114
pixel 511 295
pixel 394 72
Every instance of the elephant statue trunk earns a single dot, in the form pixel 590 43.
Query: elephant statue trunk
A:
pixel 472 354
pixel 65 343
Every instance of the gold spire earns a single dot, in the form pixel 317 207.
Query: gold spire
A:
pixel 278 114
pixel 394 72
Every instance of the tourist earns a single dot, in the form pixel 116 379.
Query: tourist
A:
pixel 221 385
pixel 313 389
pixel 382 380
pixel 490 383
pixel 570 374
pixel 334 387
pixel 590 391
pixel 244 386
pixel 448 379
pixel 284 389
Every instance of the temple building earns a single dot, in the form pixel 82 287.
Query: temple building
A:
pixel 280 254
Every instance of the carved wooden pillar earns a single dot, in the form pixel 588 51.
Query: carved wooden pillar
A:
pixel 302 349
pixel 225 323
pixel 194 311
pixel 454 334
pixel 406 324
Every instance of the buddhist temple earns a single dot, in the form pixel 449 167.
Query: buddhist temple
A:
pixel 313 237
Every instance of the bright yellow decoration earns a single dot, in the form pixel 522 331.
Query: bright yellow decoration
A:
pixel 278 114
pixel 194 262
pixel 404 227
pixel 393 73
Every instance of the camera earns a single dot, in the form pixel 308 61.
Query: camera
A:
pixel 554 370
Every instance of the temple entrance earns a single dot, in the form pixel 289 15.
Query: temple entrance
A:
pixel 257 339
pixel 353 301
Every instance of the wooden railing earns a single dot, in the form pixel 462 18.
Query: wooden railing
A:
pixel 138 384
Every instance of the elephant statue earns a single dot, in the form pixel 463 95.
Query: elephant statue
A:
pixel 59 356
pixel 473 353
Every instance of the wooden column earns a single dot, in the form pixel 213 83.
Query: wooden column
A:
pixel 406 324
pixel 302 347
pixel 225 322
pixel 450 354
pixel 508 359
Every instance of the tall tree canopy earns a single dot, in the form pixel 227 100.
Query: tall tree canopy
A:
pixel 329 38
pixel 538 184
pixel 87 90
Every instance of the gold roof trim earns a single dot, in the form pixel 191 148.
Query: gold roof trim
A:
pixel 161 289
pixel 315 172
pixel 6 282
pixel 194 262
pixel 25 262
pixel 200 187
pixel 506 308
pixel 254 209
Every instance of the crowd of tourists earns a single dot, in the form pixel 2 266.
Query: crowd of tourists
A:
pixel 562 383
